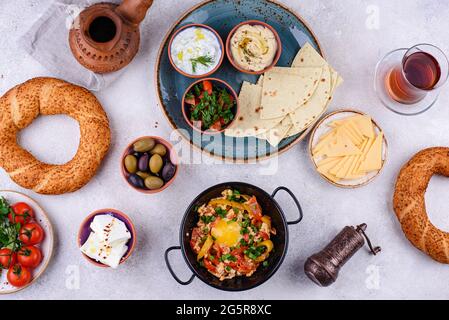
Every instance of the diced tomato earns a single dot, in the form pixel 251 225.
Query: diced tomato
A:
pixel 207 86
pixel 191 100
pixel 208 264
pixel 216 126
pixel 217 250
pixel 196 235
pixel 264 235
pixel 256 211
pixel 245 266
pixel 246 237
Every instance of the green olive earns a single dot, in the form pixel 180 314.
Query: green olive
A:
pixel 153 183
pixel 131 163
pixel 142 174
pixel 156 163
pixel 144 145
pixel 159 149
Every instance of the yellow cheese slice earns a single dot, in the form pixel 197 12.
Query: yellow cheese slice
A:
pixel 331 177
pixel 342 146
pixel 324 140
pixel 328 160
pixel 324 168
pixel 336 169
pixel 373 159
pixel 355 138
pixel 351 175
pixel 363 123
pixel 353 127
pixel 226 232
pixel 362 158
pixel 342 173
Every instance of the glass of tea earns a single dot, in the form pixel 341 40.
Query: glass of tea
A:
pixel 408 81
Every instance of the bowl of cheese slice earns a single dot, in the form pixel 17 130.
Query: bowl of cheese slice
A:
pixel 348 148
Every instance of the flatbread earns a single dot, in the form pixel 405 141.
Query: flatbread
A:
pixel 275 135
pixel 307 56
pixel 248 122
pixel 304 116
pixel 284 92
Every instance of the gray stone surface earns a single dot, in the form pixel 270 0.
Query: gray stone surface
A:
pixel 353 42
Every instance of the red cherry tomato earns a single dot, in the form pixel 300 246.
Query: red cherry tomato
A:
pixel 18 276
pixel 207 86
pixel 7 258
pixel 21 213
pixel 31 233
pixel 29 256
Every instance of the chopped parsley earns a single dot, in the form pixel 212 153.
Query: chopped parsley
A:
pixel 254 252
pixel 9 232
pixel 236 197
pixel 221 212
pixel 229 257
pixel 214 106
pixel 207 219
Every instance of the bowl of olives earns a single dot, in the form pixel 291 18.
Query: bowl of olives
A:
pixel 149 164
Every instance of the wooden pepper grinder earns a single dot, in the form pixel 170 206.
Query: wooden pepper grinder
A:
pixel 106 37
pixel 323 267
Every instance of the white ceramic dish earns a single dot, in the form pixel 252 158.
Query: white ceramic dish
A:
pixel 46 246
pixel 322 127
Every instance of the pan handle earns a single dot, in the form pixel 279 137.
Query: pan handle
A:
pixel 167 262
pixel 294 199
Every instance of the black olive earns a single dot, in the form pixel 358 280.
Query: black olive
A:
pixel 136 181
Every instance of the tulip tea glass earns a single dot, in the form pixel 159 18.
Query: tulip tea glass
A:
pixel 408 81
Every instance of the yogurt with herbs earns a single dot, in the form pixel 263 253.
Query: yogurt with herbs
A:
pixel 196 50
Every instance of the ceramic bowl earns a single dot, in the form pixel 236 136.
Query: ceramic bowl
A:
pixel 321 129
pixel 253 22
pixel 215 82
pixel 199 25
pixel 84 232
pixel 173 160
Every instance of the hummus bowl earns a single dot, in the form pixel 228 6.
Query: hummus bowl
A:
pixel 280 240
pixel 253 47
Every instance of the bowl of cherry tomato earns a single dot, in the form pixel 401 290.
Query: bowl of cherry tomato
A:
pixel 210 105
pixel 26 241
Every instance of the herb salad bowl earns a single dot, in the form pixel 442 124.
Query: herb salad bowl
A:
pixel 187 108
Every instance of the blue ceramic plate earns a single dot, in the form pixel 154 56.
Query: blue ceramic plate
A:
pixel 223 15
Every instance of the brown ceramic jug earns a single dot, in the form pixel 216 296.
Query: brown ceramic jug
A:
pixel 105 37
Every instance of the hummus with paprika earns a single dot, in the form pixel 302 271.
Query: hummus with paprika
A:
pixel 253 47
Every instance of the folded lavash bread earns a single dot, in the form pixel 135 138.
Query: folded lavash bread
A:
pixel 286 89
pixel 248 122
pixel 304 106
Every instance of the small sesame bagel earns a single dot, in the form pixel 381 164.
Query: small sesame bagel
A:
pixel 48 96
pixel 409 204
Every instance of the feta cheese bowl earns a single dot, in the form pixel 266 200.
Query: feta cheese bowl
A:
pixel 107 238
pixel 196 50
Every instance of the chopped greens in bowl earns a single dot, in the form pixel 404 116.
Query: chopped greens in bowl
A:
pixel 210 105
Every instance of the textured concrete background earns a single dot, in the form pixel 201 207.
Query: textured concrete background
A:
pixel 354 40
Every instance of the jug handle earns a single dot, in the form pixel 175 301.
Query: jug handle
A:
pixel 134 11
